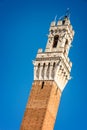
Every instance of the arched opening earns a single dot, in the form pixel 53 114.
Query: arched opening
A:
pixel 38 70
pixel 43 65
pixel 66 44
pixel 48 70
pixel 55 41
pixel 63 22
pixel 53 70
pixel 54 64
pixel 43 69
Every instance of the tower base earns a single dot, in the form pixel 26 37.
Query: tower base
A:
pixel 42 106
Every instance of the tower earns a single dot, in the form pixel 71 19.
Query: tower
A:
pixel 51 73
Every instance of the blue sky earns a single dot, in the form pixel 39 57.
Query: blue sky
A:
pixel 23 28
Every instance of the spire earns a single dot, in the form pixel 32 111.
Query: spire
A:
pixel 55 18
pixel 66 15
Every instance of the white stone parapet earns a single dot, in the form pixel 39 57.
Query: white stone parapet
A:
pixel 52 66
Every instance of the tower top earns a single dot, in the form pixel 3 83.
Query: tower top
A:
pixel 54 62
pixel 60 33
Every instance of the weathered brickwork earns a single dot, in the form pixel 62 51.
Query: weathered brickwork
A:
pixel 41 109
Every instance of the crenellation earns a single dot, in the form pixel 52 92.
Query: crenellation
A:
pixel 53 23
pixel 40 50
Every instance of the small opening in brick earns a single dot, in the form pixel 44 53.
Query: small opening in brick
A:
pixel 56 91
pixel 42 85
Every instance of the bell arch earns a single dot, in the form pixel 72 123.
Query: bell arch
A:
pixel 55 42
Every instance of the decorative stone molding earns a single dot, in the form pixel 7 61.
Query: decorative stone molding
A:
pixel 54 63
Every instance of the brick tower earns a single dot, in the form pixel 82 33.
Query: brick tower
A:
pixel 51 73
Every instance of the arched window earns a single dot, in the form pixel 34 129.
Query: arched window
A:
pixel 53 70
pixel 55 41
pixel 53 65
pixel 63 22
pixel 43 69
pixel 48 70
pixel 66 44
pixel 38 70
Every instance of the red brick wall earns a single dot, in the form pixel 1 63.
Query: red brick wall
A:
pixel 42 106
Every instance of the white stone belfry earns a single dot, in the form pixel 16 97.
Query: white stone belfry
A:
pixel 54 63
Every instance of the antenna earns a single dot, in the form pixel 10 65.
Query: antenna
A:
pixel 67 14
pixel 61 17
pixel 55 18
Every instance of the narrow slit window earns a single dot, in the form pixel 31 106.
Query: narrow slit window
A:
pixel 42 85
pixel 55 41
